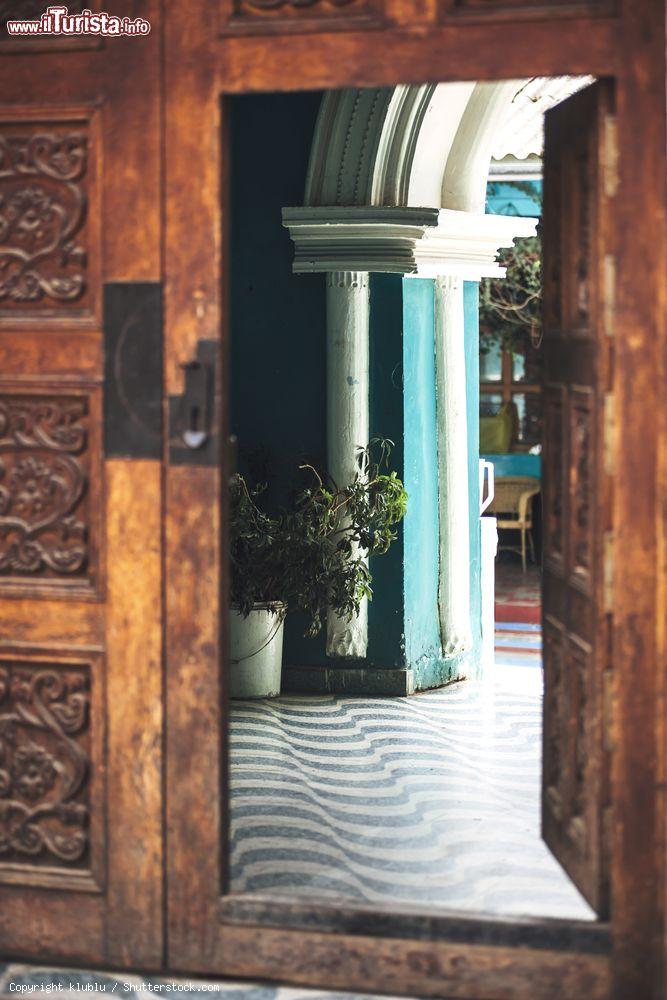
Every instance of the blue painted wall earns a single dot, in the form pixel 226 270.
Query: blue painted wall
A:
pixel 518 463
pixel 505 198
pixel 421 563
pixel 403 616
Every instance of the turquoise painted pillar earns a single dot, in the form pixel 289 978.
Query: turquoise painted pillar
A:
pixel 420 474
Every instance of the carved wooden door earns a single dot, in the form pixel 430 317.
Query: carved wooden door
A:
pixel 579 183
pixel 80 490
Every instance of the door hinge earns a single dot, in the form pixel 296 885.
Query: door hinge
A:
pixel 610 155
pixel 609 432
pixel 608 572
pixel 609 294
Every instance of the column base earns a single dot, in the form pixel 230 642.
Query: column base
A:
pixel 373 682
pixel 364 682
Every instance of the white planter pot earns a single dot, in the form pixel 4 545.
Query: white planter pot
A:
pixel 256 652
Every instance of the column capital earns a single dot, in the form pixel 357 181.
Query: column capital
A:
pixel 347 279
pixel 424 242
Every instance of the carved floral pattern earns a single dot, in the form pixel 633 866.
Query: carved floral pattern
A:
pixel 42 214
pixel 43 485
pixel 44 764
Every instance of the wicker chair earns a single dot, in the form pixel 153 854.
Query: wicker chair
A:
pixel 512 505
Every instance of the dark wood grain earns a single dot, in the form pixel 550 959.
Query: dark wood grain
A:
pixel 99 624
pixel 578 362
pixel 434 969
pixel 194 566
pixel 640 457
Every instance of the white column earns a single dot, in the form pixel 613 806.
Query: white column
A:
pixel 347 417
pixel 454 589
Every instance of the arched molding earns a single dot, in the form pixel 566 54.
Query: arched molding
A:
pixel 405 146
pixel 344 150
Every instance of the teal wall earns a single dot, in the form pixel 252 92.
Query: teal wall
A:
pixel 507 198
pixel 422 638
pixel 518 463
pixel 421 563
pixel 403 616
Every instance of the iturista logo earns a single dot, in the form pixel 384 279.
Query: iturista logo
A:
pixel 57 20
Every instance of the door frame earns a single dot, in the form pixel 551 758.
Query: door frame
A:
pixel 368 947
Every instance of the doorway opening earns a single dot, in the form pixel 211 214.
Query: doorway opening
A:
pixel 395 766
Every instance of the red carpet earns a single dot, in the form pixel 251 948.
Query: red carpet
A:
pixel 517 593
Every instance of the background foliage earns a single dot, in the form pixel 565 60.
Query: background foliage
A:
pixel 510 307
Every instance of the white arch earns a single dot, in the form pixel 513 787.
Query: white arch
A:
pixel 422 146
pixel 467 169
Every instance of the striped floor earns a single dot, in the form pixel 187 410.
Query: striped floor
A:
pixel 518 643
pixel 431 799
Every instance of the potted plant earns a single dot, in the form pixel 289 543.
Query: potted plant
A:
pixel 258 592
pixel 312 556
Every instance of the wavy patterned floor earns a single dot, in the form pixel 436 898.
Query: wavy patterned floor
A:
pixel 432 799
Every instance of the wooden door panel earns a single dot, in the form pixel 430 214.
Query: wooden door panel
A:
pixel 50 248
pixel 50 490
pixel 80 500
pixel 52 777
pixel 266 17
pixel 577 490
pixel 271 17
